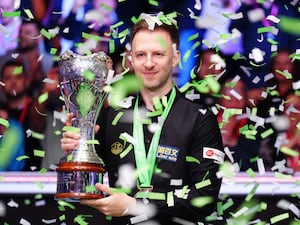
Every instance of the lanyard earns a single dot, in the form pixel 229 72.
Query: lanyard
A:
pixel 145 163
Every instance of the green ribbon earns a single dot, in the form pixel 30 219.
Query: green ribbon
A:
pixel 145 163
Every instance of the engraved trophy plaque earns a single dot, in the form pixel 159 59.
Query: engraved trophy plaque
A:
pixel 81 80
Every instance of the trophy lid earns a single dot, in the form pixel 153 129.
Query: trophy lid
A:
pixel 72 65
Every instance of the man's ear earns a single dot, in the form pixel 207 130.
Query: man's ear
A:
pixel 176 58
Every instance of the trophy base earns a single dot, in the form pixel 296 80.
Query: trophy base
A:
pixel 76 180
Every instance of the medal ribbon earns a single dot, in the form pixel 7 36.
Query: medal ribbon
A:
pixel 145 163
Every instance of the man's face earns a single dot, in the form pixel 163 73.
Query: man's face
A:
pixel 208 67
pixel 153 59
pixel 15 82
pixel 28 36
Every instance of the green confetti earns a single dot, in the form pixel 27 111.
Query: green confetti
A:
pixel 228 204
pixel 90 188
pixel 71 129
pixel 283 176
pixel 80 219
pixel 289 151
pixel 37 135
pixel 153 2
pixel 286 75
pixel 265 29
pixel 225 36
pixel 66 204
pixel 193 37
pixel 126 151
pixel 18 70
pixel 202 201
pixel 192 159
pixel 289 25
pixel 111 45
pixel 89 75
pixel 187 55
pixel 183 192
pixel 39 153
pixel 39 184
pixel 57 132
pixel 29 13
pixel 11 14
pixel 92 142
pixel 22 157
pixel 43 98
pixel 202 184
pixel 213 84
pixel 267 133
pixel 252 192
pixel 162 42
pixel 4 122
pixel 38 196
pixel 62 218
pixel 27 201
pixel 170 198
pixel 43 170
pixel 120 190
pixel 220 208
pixel 53 51
pixel 90 36
pixel 272 42
pixel 151 195
pixel 46 34
pixel 128 84
pixel 251 173
pixel 279 218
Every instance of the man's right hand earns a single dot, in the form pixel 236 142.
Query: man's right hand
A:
pixel 69 141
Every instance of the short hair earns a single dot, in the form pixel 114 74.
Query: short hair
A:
pixel 143 24
pixel 14 63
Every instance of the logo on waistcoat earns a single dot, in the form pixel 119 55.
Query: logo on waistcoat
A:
pixel 167 153
pixel 116 148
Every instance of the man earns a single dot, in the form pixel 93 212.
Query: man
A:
pixel 9 27
pixel 177 160
pixel 31 52
pixel 22 108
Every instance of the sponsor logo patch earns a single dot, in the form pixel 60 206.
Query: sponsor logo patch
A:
pixel 213 153
pixel 167 153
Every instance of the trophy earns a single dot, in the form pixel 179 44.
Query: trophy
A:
pixel 81 80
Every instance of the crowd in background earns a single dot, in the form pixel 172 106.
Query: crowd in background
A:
pixel 239 58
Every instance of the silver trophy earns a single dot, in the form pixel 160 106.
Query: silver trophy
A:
pixel 81 80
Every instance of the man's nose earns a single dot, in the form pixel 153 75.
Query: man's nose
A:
pixel 149 61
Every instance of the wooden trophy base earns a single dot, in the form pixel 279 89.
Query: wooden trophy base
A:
pixel 76 180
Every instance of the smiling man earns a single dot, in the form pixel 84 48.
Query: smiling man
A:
pixel 177 146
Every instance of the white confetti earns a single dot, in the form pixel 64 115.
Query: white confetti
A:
pixel 256 15
pixel 24 222
pixel 2 209
pixel 127 137
pixel 257 54
pixel 40 203
pixel 261 166
pixel 13 204
pixel 235 94
pixel 235 16
pixel 49 221
pixel 127 176
pixel 256 79
pixel 49 81
pixel 197 5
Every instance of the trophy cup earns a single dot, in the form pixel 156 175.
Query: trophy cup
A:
pixel 81 79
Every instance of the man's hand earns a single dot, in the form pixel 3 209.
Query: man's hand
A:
pixel 116 204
